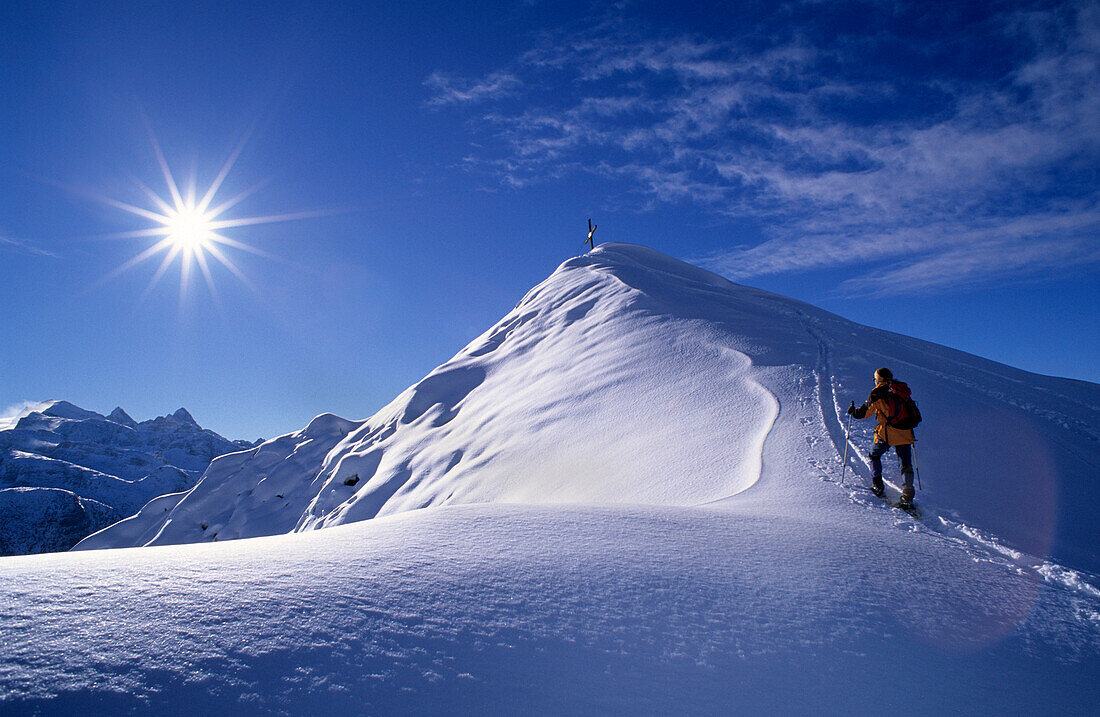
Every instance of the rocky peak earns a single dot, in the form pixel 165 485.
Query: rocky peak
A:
pixel 182 416
pixel 121 418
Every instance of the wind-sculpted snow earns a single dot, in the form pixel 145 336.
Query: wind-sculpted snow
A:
pixel 587 392
pixel 90 470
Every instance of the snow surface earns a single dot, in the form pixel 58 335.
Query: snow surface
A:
pixel 624 498
pixel 509 609
pixel 105 468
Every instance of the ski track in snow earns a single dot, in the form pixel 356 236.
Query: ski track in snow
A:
pixel 981 545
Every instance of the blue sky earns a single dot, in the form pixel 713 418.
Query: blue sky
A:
pixel 930 168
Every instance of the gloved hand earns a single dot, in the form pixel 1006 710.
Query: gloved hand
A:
pixel 852 409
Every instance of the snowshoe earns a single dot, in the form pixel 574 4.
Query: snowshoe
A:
pixel 908 507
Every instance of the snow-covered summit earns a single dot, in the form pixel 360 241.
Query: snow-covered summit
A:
pixel 631 377
pixel 64 409
pixel 109 466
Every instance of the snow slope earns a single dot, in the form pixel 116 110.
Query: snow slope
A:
pixel 623 498
pixel 77 471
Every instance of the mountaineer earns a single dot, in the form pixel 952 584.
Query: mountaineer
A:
pixel 892 404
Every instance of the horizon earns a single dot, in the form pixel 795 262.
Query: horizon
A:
pixel 266 217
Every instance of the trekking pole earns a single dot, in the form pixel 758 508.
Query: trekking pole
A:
pixel 916 467
pixel 847 433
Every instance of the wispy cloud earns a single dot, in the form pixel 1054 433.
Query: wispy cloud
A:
pixel 960 173
pixel 451 90
pixel 24 247
pixel 1002 257
pixel 932 257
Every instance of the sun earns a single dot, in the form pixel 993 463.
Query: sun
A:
pixel 190 227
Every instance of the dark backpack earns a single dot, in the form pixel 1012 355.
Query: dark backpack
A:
pixel 904 413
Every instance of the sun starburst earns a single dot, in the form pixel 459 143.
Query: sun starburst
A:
pixel 190 229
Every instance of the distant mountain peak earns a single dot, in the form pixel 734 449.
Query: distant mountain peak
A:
pixel 64 409
pixel 182 416
pixel 121 417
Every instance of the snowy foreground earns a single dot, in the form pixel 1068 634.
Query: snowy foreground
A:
pixel 625 498
pixel 538 609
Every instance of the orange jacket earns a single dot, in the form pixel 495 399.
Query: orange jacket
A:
pixel 876 405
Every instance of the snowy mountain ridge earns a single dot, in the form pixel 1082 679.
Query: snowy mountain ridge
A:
pixel 630 377
pixel 66 472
